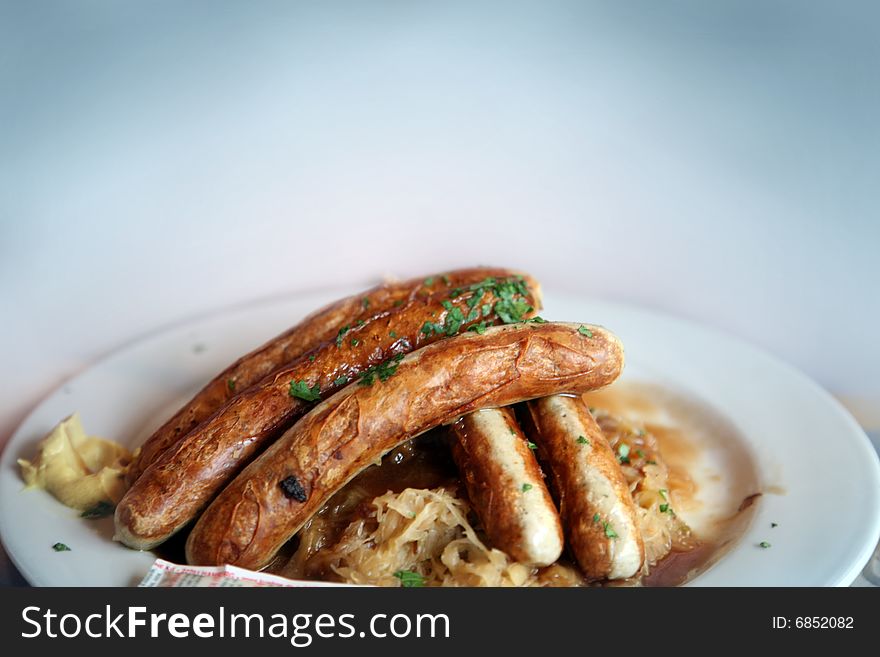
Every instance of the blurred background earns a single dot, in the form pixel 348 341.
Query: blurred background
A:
pixel 718 161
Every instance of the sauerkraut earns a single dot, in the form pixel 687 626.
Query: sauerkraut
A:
pixel 421 533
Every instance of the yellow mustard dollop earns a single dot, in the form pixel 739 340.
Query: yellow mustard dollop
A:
pixel 80 471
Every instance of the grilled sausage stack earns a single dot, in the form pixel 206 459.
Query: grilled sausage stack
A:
pixel 269 440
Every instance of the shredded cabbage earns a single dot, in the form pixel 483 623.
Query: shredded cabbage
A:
pixel 420 531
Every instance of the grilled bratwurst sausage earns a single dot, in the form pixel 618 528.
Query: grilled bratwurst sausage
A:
pixel 278 492
pixel 182 481
pixel 314 330
pixel 597 510
pixel 506 487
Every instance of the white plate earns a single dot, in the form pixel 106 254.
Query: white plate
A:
pixel 802 444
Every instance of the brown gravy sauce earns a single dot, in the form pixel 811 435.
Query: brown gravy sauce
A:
pixel 686 429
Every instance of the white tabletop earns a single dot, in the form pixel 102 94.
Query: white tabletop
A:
pixel 716 161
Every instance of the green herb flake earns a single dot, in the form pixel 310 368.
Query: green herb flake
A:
pixel 230 384
pixel 538 320
pixel 355 342
pixel 596 517
pixel 623 453
pixel 429 281
pixel 445 279
pixel 609 530
pixel 479 329
pixel 409 579
pixel 341 381
pixel 60 547
pixel 398 303
pixel 100 510
pixel 663 492
pixel 392 334
pixel 301 390
pixel 664 508
pixel 454 320
pixel 532 445
pixel 640 453
pixel 312 358
pixel 511 311
pixel 583 330
pixel 365 302
pixel 582 441
pixel 650 462
pixel 763 544
pixel 360 322
pixel 383 370
pixel 526 488
pixel 345 329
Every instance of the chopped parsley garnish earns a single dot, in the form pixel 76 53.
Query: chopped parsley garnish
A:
pixel 664 508
pixel 100 510
pixel 392 334
pixel 640 453
pixel 383 370
pixel 429 328
pixel 526 488
pixel 512 432
pixel 301 390
pixel 409 579
pixel 342 332
pixel 531 445
pixel 473 315
pixel 341 381
pixel 230 383
pixel 445 279
pixel 454 320
pixel 60 547
pixel 609 530
pixel 623 453
pixel 479 329
pixel 582 441
pixel 429 281
pixel 663 492
pixel 360 322
pixel 512 310
pixel 312 358
pixel 596 517
pixel 537 320
pixel 398 303
pixel 650 462
pixel 355 342
pixel 365 302
pixel 446 304
pixel 764 544
pixel 583 330
pixel 511 304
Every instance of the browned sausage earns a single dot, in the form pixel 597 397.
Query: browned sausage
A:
pixel 506 487
pixel 597 510
pixel 173 490
pixel 278 492
pixel 317 328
